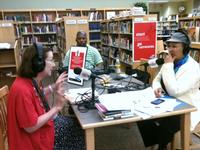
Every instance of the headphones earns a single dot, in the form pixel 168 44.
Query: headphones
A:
pixel 188 42
pixel 38 62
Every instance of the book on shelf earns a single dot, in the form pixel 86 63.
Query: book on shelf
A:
pixel 110 14
pixel 193 33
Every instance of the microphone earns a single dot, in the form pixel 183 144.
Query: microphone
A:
pixel 155 62
pixel 62 69
pixel 84 73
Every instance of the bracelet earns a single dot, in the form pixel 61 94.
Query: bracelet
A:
pixel 50 88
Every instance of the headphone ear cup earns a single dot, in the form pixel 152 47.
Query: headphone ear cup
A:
pixel 38 65
pixel 186 45
pixel 38 60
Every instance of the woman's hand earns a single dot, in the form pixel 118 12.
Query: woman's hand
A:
pixel 158 92
pixel 61 79
pixel 61 99
pixel 169 58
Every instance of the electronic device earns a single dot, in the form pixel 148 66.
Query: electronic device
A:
pixel 157 101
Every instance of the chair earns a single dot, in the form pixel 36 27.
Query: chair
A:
pixel 3 122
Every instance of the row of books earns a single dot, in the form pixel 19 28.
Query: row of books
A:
pixel 45 28
pixel 126 43
pixel 165 32
pixel 27 40
pixel 104 39
pixel 48 39
pixel 122 27
pixel 195 54
pixel 95 16
pixel 96 45
pixel 186 24
pixel 104 27
pixel 22 18
pixel 95 36
pixel 94 26
pixel 114 52
pixel 113 27
pixel 25 29
pixel 126 57
pixel 43 17
pixel 105 51
pixel 194 34
pixel 169 18
pixel 36 17
pixel 125 27
pixel 73 14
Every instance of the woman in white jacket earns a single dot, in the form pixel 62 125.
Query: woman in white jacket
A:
pixel 179 77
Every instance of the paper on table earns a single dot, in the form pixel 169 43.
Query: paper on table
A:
pixel 151 109
pixel 75 94
pixel 126 100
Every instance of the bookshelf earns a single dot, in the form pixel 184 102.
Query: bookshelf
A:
pixel 116 39
pixel 167 26
pixel 34 25
pixel 40 25
pixel 94 17
pixel 192 25
pixel 187 22
pixel 10 54
pixel 94 34
pixel 195 51
pixel 67 29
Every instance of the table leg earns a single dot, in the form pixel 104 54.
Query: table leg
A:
pixel 89 137
pixel 185 131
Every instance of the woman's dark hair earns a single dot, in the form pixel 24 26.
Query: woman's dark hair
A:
pixel 26 68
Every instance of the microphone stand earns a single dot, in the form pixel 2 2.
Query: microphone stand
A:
pixel 91 104
pixel 145 70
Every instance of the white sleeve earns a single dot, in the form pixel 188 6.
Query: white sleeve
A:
pixel 156 81
pixel 186 78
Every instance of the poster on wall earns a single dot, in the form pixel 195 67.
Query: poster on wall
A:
pixel 144 40
pixel 77 59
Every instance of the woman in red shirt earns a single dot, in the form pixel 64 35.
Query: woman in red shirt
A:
pixel 30 119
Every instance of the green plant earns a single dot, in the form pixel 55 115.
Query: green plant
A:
pixel 141 4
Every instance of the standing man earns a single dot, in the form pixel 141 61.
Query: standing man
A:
pixel 93 57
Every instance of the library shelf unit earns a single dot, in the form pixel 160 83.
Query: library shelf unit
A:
pixel 189 22
pixel 167 26
pixel 95 16
pixel 10 53
pixel 40 24
pixel 195 51
pixel 116 39
pixel 94 34
pixel 192 25
pixel 34 25
pixel 67 29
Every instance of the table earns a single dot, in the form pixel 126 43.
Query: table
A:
pixel 91 120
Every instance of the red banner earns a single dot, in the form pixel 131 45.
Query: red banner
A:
pixel 144 40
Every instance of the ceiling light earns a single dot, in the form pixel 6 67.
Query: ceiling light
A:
pixel 158 1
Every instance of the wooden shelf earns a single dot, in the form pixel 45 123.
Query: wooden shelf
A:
pixel 195 45
pixel 117 39
pixel 67 29
pixel 7 65
pixel 9 57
